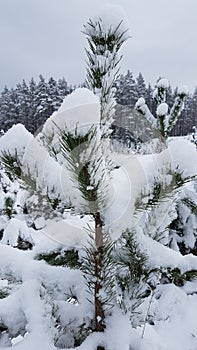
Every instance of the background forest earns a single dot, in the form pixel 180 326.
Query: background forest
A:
pixel 31 104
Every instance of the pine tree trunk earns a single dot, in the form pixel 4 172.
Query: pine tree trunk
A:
pixel 99 312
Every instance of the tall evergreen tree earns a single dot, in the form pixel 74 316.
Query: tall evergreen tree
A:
pixel 149 98
pixel 140 86
pixel 101 76
pixel 43 103
pixel 63 88
pixel 4 108
pixel 54 94
pixel 194 107
pixel 127 90
pixel 24 103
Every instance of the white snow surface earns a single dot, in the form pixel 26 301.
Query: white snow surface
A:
pixel 164 83
pixel 80 109
pixel 16 228
pixel 72 231
pixel 184 156
pixel 80 96
pixel 183 90
pixel 140 102
pixel 16 138
pixel 142 107
pixel 162 109
pixel 137 174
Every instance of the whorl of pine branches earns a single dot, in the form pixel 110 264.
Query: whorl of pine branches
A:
pixel 163 120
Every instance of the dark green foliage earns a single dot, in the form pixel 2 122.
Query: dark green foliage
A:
pixel 177 226
pixel 55 203
pixel 12 164
pixel 47 139
pixel 175 111
pixel 24 244
pixel 178 179
pixel 25 210
pixel 104 271
pixel 99 44
pixel 68 258
pixel 1 234
pixel 130 256
pixel 77 335
pixel 72 148
pixel 190 204
pixel 134 278
pixel 162 191
pixel 161 95
pixel 175 276
pixel 46 202
pixel 156 193
pixel 9 207
pixel 102 74
pixel 3 294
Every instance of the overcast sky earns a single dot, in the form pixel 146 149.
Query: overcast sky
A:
pixel 44 37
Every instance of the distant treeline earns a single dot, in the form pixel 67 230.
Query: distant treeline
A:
pixel 32 103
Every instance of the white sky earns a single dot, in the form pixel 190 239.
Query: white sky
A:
pixel 44 37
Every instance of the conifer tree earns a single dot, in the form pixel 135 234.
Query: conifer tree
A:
pixel 140 85
pixel 194 107
pixel 164 120
pixel 127 92
pixel 63 88
pixel 102 71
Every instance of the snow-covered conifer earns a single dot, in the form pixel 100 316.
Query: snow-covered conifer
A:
pixel 104 43
pixel 165 118
pixel 141 86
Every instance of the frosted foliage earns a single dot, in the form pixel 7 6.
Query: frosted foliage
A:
pixel 80 109
pixel 166 117
pixel 162 109
pixel 15 229
pixel 16 138
pixel 140 102
pixel 143 108
pixel 111 16
pixel 183 90
pixel 164 83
